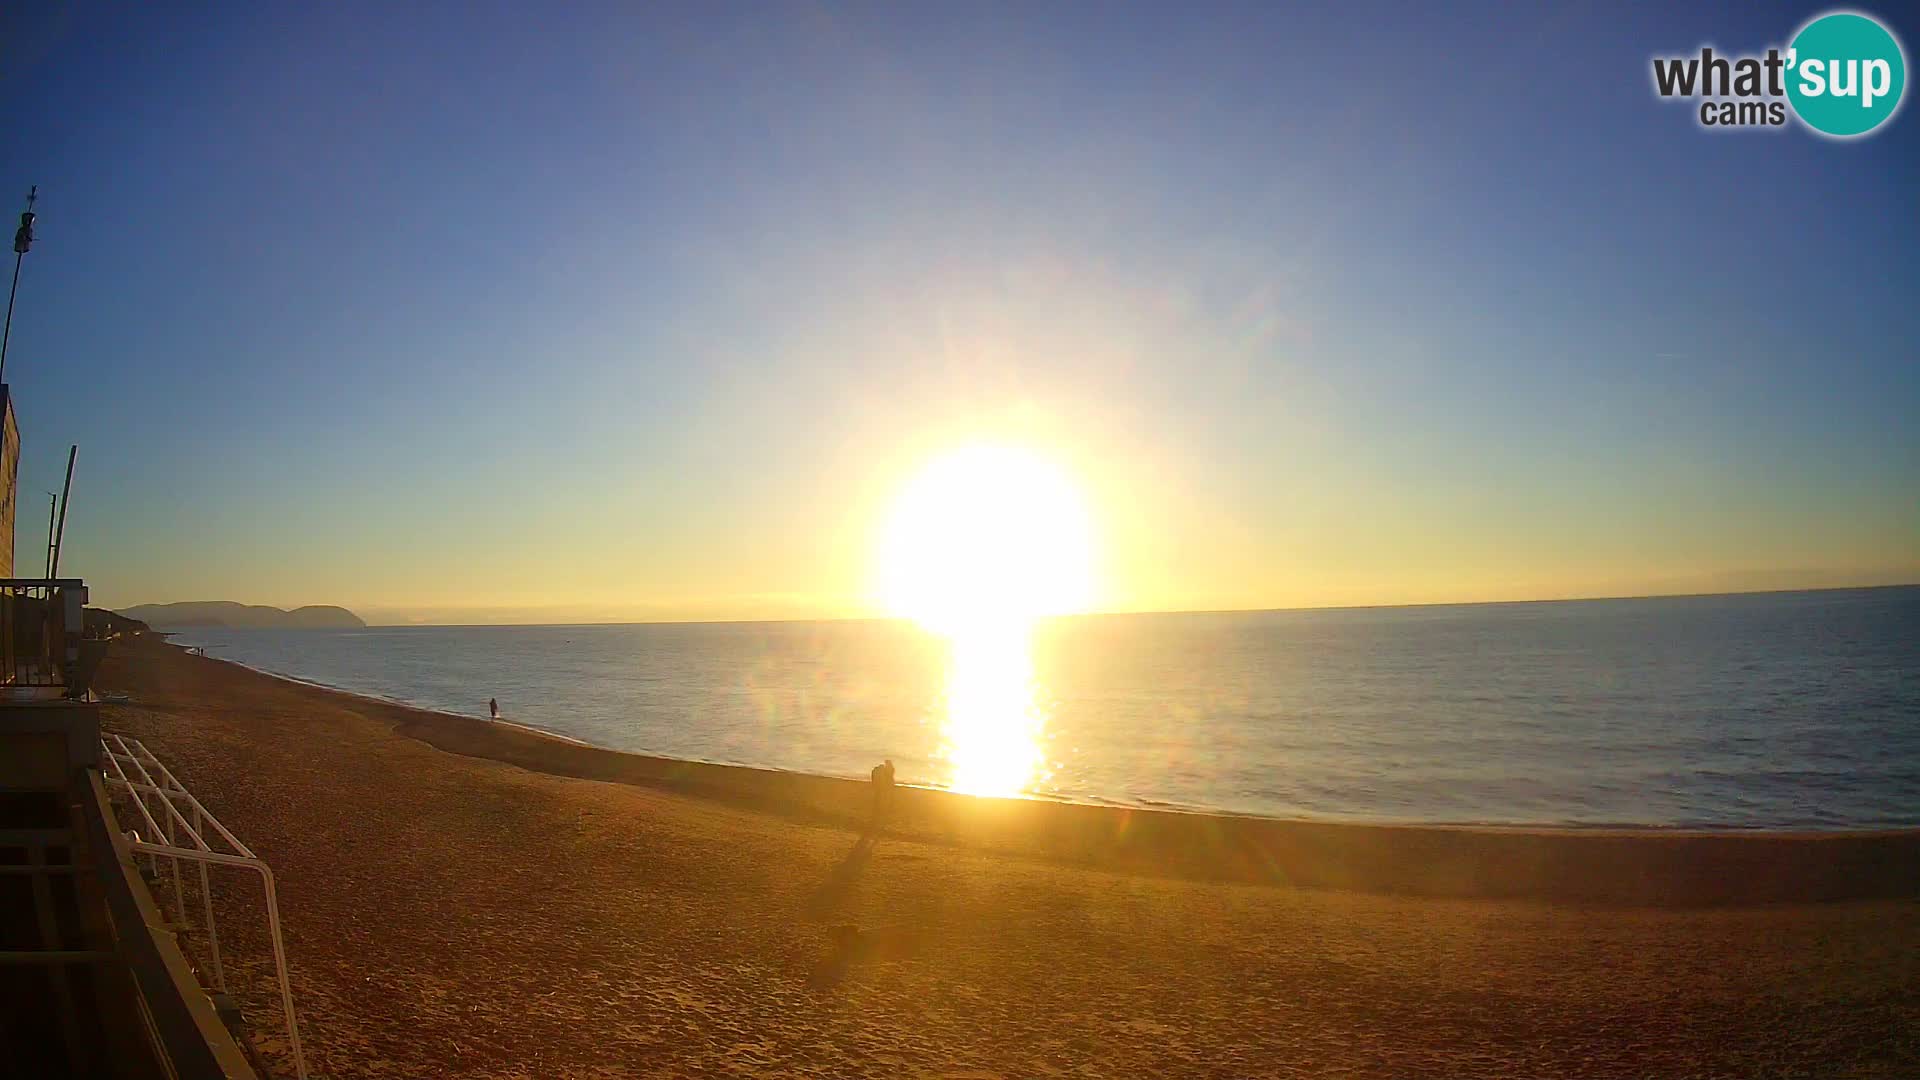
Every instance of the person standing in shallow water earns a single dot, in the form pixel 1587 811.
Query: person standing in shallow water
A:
pixel 493 708
pixel 882 792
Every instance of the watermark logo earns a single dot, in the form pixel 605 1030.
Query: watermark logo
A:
pixel 1843 75
pixel 1850 74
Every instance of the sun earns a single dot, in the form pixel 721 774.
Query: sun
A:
pixel 981 543
pixel 987 536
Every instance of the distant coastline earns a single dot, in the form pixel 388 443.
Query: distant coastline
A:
pixel 229 615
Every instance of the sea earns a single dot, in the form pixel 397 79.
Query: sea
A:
pixel 1792 710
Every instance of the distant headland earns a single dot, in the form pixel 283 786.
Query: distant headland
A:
pixel 243 616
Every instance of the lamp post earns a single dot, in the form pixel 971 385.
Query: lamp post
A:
pixel 22 240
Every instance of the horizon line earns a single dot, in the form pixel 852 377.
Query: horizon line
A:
pixel 1080 614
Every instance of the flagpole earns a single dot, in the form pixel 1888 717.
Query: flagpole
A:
pixel 22 240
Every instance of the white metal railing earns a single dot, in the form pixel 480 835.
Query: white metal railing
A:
pixel 151 787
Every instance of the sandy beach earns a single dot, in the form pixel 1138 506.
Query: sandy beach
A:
pixel 465 899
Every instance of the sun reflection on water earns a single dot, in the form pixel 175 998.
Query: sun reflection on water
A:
pixel 993 720
pixel 982 543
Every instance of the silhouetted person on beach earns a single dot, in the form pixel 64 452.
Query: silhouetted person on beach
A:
pixel 493 707
pixel 882 792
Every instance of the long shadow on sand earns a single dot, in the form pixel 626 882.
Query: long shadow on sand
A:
pixel 847 943
pixel 832 895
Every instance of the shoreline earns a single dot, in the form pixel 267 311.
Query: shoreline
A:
pixel 1604 865
pixel 452 907
pixel 1150 807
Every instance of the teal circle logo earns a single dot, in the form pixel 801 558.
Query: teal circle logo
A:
pixel 1845 74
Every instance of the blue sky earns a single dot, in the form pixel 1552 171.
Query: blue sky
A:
pixel 468 313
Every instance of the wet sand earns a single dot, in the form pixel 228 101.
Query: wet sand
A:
pixel 450 912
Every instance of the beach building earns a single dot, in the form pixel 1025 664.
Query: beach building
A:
pixel 94 833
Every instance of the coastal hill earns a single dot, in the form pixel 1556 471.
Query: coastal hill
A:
pixel 243 616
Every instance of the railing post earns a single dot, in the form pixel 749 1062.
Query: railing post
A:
pixel 280 962
pixel 179 897
pixel 206 906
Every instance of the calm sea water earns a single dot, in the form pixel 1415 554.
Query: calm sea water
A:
pixel 1794 710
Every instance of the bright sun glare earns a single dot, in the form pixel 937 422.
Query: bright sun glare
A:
pixel 987 536
pixel 981 543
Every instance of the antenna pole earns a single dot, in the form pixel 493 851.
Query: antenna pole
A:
pixel 66 496
pixel 53 504
pixel 22 240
